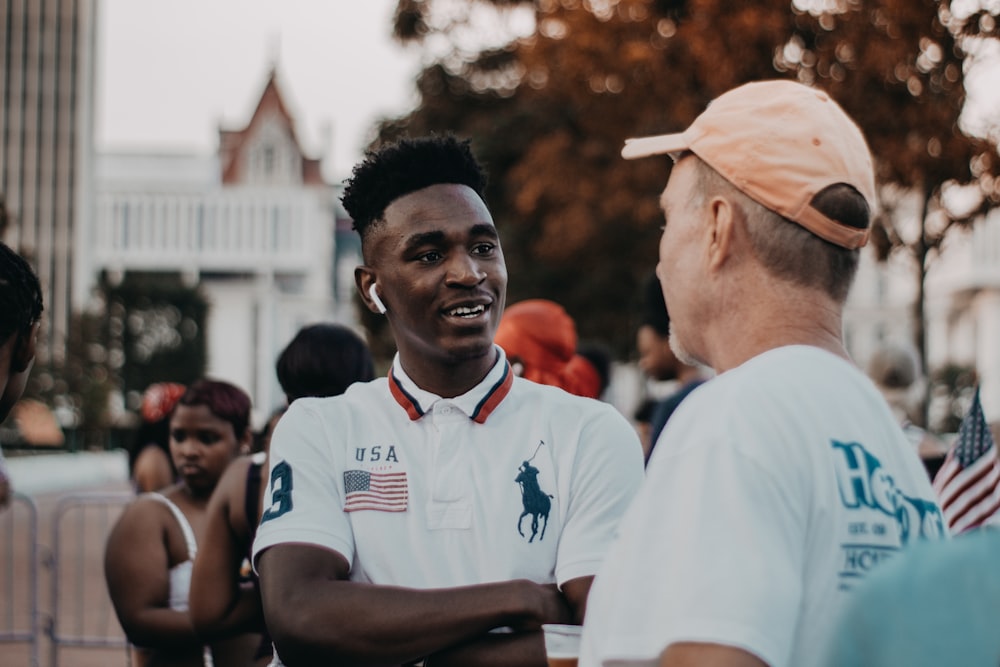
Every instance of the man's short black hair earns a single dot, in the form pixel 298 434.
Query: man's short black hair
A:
pixel 20 294
pixel 396 169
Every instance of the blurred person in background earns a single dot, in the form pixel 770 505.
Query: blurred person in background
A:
pixel 642 416
pixel 935 604
pixel 895 370
pixel 150 465
pixel 20 319
pixel 321 360
pixel 151 550
pixel 539 337
pixel 659 362
pixel 262 438
pixel 599 356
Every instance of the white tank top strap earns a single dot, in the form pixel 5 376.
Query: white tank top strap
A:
pixel 192 546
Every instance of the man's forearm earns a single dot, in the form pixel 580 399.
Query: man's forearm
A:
pixel 361 624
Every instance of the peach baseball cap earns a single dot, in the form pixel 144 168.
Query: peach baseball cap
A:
pixel 780 142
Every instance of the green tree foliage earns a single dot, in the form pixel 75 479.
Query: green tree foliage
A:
pixel 79 389
pixel 899 68
pixel 549 112
pixel 150 330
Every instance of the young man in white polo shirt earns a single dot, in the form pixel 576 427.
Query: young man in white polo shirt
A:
pixel 442 514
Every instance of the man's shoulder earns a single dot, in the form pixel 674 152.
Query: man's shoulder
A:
pixel 526 390
pixel 789 371
pixel 526 395
pixel 360 393
pixel 671 401
pixel 363 403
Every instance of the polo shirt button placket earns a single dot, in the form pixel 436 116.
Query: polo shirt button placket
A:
pixel 449 500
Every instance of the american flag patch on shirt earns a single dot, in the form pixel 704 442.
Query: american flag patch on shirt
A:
pixel 386 492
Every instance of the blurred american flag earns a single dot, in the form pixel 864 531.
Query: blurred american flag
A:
pixel 968 483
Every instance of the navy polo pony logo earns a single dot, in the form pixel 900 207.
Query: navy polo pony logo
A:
pixel 536 502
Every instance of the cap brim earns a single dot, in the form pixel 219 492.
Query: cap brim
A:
pixel 658 145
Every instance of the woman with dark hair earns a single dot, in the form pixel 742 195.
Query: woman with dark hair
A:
pixel 151 549
pixel 323 360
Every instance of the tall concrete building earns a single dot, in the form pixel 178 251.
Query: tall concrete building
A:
pixel 47 52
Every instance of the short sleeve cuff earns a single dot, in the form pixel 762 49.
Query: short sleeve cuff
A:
pixel 587 566
pixel 292 536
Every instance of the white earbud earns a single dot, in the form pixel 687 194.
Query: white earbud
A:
pixel 378 302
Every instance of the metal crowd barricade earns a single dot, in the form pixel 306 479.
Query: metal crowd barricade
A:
pixel 19 575
pixel 81 614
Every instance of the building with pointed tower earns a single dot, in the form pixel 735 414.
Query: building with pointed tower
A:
pixel 253 227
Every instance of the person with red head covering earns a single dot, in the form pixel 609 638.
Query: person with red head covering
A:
pixel 540 340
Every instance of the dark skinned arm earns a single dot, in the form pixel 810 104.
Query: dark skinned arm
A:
pixel 316 616
pixel 136 568
pixel 152 470
pixel 523 648
pixel 220 606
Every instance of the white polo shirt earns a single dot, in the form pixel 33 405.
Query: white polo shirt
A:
pixel 510 480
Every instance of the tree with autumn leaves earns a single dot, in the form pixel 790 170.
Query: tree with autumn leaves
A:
pixel 549 111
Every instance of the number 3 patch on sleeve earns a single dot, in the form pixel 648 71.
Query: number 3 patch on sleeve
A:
pixel 281 492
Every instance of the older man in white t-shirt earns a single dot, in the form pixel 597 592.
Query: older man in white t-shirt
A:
pixel 782 481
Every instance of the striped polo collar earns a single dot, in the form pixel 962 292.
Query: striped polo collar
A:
pixel 478 403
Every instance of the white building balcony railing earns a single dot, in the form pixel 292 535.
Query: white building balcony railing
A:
pixel 236 230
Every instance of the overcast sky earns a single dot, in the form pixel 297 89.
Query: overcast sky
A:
pixel 168 73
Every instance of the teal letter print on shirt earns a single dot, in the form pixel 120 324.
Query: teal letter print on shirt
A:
pixel 864 483
pixel 281 492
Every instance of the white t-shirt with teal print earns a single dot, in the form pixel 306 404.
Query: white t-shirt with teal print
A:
pixel 774 489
